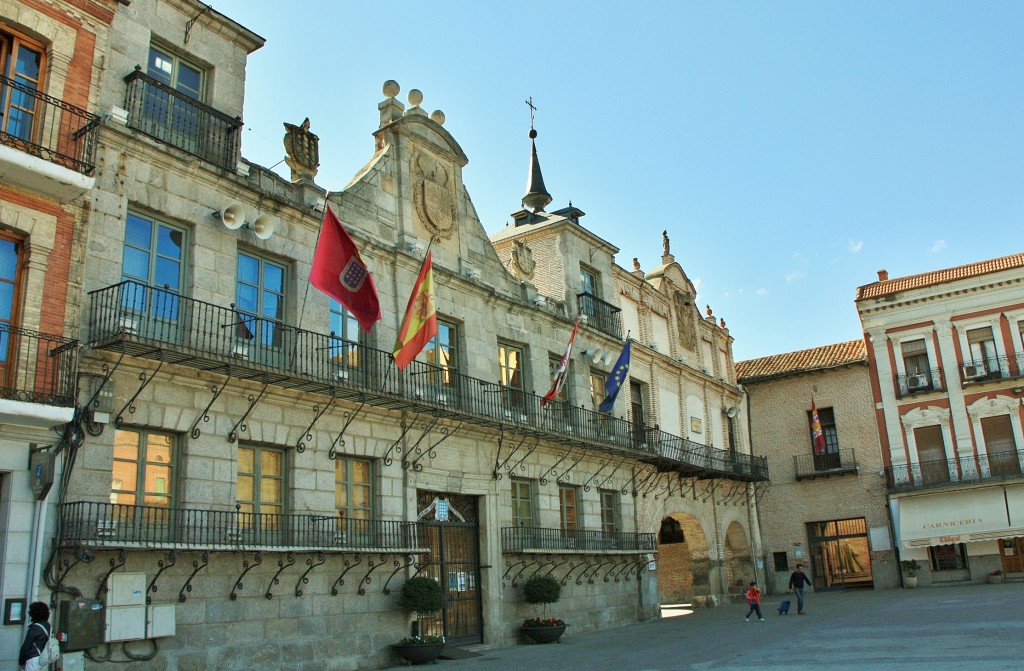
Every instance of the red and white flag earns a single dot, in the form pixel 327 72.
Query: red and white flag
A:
pixel 339 272
pixel 563 369
pixel 817 435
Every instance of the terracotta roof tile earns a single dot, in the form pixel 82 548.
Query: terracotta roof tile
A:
pixel 817 358
pixel 876 289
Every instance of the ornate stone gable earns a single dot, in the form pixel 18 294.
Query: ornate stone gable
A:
pixel 434 195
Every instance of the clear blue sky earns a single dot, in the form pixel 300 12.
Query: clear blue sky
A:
pixel 791 149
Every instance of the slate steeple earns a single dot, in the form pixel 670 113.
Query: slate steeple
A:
pixel 537 197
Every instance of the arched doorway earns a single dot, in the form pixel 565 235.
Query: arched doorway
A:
pixel 683 560
pixel 739 568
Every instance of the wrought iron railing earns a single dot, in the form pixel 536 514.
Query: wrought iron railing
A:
pixel 603 316
pixel 37 367
pixel 523 539
pixel 207 336
pixel 946 472
pixel 110 524
pixel 180 121
pixel 983 370
pixel 919 382
pixel 47 127
pixel 829 463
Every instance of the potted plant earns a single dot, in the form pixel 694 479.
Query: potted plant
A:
pixel 996 576
pixel 910 568
pixel 543 589
pixel 421 596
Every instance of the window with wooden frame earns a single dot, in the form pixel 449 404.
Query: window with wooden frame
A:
pixel 511 378
pixel 260 486
pixel 522 503
pixel 143 471
pixel 11 272
pixel 609 511
pixel 22 66
pixel 567 502
pixel 353 487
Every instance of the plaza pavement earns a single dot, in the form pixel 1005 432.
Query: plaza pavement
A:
pixel 977 627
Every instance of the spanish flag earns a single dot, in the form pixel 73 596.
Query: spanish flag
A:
pixel 817 435
pixel 420 323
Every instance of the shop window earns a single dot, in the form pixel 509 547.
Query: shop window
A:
pixel 948 557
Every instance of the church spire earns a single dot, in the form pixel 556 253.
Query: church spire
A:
pixel 536 197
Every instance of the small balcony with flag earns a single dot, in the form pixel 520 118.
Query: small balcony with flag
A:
pixel 47 145
pixel 164 327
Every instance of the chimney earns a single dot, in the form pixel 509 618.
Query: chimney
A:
pixel 883 275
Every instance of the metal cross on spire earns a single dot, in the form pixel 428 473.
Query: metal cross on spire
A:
pixel 533 108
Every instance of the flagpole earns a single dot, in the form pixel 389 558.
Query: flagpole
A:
pixel 305 297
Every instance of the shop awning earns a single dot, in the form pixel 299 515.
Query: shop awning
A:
pixel 961 517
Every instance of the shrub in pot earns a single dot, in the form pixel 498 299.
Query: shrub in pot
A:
pixel 421 596
pixel 543 589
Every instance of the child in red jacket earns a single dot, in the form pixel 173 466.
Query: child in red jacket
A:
pixel 754 599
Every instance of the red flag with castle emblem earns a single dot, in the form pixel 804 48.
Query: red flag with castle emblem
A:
pixel 339 272
pixel 817 435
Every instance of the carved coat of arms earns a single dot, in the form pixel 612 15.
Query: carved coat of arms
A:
pixel 522 257
pixel 433 197
pixel 302 151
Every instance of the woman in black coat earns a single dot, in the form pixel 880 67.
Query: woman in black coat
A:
pixel 36 637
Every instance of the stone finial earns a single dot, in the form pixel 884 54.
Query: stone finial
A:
pixel 707 311
pixel 437 116
pixel 636 264
pixel 883 275
pixel 390 109
pixel 302 151
pixel 721 322
pixel 415 97
pixel 665 243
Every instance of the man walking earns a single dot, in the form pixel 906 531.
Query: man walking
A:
pixel 796 583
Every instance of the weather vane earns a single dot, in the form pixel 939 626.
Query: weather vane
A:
pixel 533 109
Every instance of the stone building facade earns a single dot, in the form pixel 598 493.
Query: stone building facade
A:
pixel 246 475
pixel 825 508
pixel 946 355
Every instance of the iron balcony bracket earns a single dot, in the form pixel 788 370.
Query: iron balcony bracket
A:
pixel 172 558
pixel 373 567
pixel 240 424
pixel 282 564
pixel 205 415
pixel 197 566
pixel 397 445
pixel 410 560
pixel 130 405
pixel 416 466
pixel 311 563
pixel 339 441
pixel 317 414
pixel 349 565
pixel 116 562
pixel 246 567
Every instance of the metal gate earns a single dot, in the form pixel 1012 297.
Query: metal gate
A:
pixel 450 528
pixel 840 554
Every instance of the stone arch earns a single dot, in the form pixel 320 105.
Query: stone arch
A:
pixel 684 560
pixel 736 559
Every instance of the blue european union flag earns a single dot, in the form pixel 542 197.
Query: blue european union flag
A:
pixel 614 382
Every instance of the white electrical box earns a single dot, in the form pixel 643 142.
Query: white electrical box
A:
pixel 126 623
pixel 72 661
pixel 126 589
pixel 160 620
